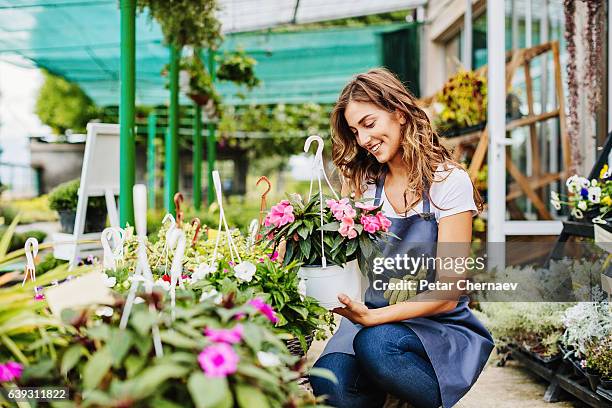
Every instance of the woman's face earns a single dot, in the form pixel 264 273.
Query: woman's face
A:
pixel 375 129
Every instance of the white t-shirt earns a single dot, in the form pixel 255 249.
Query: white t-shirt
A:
pixel 453 195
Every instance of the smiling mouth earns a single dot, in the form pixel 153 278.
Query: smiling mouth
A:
pixel 376 147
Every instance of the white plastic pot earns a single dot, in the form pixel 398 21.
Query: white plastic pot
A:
pixel 324 284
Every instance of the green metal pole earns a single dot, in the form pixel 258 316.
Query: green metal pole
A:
pixel 172 134
pixel 197 156
pixel 127 146
pixel 151 133
pixel 211 143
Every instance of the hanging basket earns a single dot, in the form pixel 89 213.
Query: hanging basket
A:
pixel 295 347
pixel 324 284
pixel 199 99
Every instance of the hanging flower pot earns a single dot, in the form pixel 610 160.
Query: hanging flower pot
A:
pixel 199 99
pixel 324 284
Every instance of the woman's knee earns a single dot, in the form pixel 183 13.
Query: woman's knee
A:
pixel 341 366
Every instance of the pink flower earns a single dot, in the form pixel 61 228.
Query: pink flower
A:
pixel 10 371
pixel 273 256
pixel 264 309
pixel 239 316
pixel 370 223
pixel 280 214
pixel 385 223
pixel 365 207
pixel 341 209
pixel 231 336
pixel 218 360
pixel 347 228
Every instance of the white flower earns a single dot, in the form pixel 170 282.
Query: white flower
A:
pixel 109 281
pixel 138 300
pixel 595 194
pixel 576 213
pixel 165 285
pixel 594 183
pixel 573 184
pixel 211 294
pixel 245 271
pixel 202 271
pixel 268 359
pixel 555 204
pixel 104 311
pixel 582 205
pixel 554 196
pixel 584 182
pixel 302 288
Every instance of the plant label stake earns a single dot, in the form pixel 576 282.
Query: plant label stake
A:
pixel 247 266
pixel 31 250
pixel 143 270
pixel 167 218
pixel 111 256
pixel 177 243
pixel 253 228
pixel 317 169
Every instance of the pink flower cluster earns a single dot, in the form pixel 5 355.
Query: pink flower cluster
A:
pixel 280 214
pixel 220 359
pixel 375 223
pixel 10 371
pixel 230 336
pixel 341 209
pixel 264 308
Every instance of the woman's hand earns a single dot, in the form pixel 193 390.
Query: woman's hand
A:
pixel 356 312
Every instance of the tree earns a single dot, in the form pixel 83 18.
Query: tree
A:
pixel 63 105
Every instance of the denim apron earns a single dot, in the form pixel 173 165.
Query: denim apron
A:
pixel 457 344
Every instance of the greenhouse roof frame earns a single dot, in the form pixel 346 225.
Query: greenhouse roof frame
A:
pixel 80 40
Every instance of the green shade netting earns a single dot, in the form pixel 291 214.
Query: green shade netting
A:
pixel 80 40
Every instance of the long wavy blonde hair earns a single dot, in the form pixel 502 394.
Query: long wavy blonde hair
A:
pixel 420 145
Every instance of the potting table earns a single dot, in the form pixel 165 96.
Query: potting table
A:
pixel 561 380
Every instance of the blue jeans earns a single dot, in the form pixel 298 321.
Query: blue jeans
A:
pixel 389 359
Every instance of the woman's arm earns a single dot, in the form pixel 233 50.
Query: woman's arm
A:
pixel 456 228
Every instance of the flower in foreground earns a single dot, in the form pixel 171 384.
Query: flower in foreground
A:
pixel 365 207
pixel 218 360
pixel 370 223
pixel 267 359
pixel 385 223
pixel 10 371
pixel 230 336
pixel 264 309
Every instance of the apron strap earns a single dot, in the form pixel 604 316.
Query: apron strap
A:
pixel 380 183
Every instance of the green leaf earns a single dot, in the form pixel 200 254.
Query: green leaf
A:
pixel 150 379
pixel 305 248
pixel 250 370
pixel 337 242
pixel 366 246
pixel 303 232
pixel 351 247
pixel 7 236
pixel 96 368
pixel 332 226
pixel 209 392
pixel 119 344
pixel 71 358
pixel 250 397
pixel 302 311
pixel 179 340
pixel 323 373
pixel 133 365
pixel 142 321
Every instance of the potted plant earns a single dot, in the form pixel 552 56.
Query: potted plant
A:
pixel 64 199
pixel 599 364
pixel 346 231
pixel 186 22
pixel 461 105
pixel 588 199
pixel 237 67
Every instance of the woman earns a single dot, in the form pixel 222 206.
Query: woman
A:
pixel 426 353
